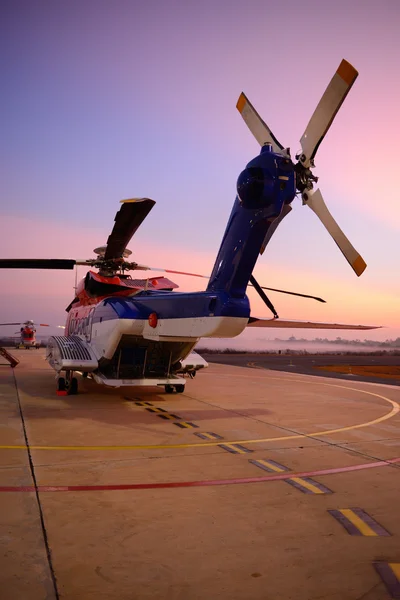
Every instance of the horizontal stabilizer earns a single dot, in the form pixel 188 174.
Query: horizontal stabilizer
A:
pixel 254 322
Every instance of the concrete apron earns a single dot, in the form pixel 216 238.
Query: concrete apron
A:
pixel 270 454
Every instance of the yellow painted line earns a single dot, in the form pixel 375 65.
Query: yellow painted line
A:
pixel 270 465
pixel 236 449
pixel 233 447
pixel 359 523
pixel 306 484
pixel 396 569
pixel 389 415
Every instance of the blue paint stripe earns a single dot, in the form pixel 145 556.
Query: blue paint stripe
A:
pixel 172 305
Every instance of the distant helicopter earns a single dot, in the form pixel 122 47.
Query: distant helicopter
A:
pixel 126 332
pixel 27 334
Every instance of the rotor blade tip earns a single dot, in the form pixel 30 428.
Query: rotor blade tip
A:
pixel 131 200
pixel 241 102
pixel 347 72
pixel 359 265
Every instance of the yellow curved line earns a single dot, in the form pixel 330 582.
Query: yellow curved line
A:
pixel 389 415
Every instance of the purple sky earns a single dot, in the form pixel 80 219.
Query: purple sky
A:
pixel 109 100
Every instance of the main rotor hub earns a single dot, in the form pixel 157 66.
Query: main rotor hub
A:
pixel 101 250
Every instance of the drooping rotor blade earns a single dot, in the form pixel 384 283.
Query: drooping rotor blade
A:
pixel 127 220
pixel 36 263
pixel 294 294
pixel 254 322
pixel 326 111
pixel 146 268
pixel 258 128
pixel 272 228
pixel 315 201
pixel 263 296
pixel 36 324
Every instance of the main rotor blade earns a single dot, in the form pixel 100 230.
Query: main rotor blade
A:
pixel 146 268
pixel 326 110
pixel 315 201
pixel 258 128
pixel 1 324
pixel 36 263
pixel 127 220
pixel 263 296
pixel 294 294
pixel 272 228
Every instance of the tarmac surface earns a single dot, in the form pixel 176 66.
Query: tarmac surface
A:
pixel 252 484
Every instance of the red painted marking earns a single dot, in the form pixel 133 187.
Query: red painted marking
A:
pixel 207 482
pixel 62 393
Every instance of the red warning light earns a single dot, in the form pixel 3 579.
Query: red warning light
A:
pixel 153 320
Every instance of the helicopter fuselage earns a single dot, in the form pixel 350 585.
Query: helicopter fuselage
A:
pixel 151 331
pixel 27 338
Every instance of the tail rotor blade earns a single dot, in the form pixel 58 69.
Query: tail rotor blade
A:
pixel 315 201
pixel 326 111
pixel 258 128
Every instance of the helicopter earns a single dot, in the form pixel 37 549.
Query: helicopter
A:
pixel 27 334
pixel 124 331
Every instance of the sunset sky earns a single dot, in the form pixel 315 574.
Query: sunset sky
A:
pixel 109 100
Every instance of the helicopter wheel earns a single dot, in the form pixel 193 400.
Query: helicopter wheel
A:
pixel 61 384
pixel 180 388
pixel 73 387
pixel 169 389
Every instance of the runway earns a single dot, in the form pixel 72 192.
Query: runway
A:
pixel 315 364
pixel 252 484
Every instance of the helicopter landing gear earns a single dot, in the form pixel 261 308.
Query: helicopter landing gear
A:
pixel 61 384
pixel 67 385
pixel 169 389
pixel 73 387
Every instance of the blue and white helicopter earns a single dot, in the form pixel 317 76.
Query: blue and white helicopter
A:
pixel 126 332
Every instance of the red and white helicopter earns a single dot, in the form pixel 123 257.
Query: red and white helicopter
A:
pixel 27 334
pixel 124 331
